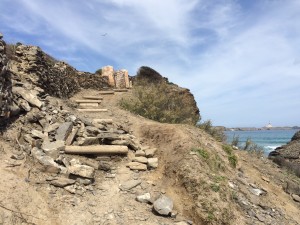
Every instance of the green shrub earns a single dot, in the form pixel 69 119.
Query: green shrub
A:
pixel 228 149
pixel 215 187
pixel 233 160
pixel 201 152
pixel 160 102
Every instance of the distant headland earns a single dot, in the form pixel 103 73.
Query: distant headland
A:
pixel 267 127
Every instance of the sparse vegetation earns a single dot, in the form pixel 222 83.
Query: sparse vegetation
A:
pixel 232 158
pixel 235 140
pixel 159 102
pixel 201 152
pixel 214 132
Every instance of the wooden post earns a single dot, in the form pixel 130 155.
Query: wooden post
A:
pixel 92 110
pixel 120 90
pixel 93 97
pixel 96 149
pixel 88 105
pixel 87 101
pixel 106 92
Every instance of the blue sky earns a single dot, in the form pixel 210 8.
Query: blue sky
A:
pixel 240 58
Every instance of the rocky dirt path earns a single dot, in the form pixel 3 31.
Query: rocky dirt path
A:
pixel 28 195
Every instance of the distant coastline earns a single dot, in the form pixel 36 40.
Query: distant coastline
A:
pixel 260 128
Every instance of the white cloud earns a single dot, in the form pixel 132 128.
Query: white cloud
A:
pixel 230 56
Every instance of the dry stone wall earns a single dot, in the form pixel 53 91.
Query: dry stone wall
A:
pixel 5 82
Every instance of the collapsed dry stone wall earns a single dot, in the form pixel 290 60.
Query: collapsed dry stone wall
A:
pixel 5 82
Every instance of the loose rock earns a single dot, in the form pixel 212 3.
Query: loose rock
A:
pixel 163 205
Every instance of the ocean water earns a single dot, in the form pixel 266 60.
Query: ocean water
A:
pixel 268 139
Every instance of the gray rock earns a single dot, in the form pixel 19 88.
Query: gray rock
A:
pixel 52 149
pixel 63 131
pixel 92 131
pixel 38 134
pixel 153 163
pixel 150 152
pixel 260 217
pixel 145 198
pixel 82 170
pixel 1 35
pixel 88 141
pixel 140 159
pixel 48 163
pixel 130 184
pixel 24 105
pixel 296 198
pixel 28 96
pixel 105 166
pixel 163 205
pixel 51 127
pixel 256 191
pixel 137 166
pixel 62 182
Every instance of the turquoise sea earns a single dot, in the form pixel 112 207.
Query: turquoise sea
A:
pixel 268 139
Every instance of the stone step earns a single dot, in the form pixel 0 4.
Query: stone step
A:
pixel 92 110
pixel 106 92
pixel 120 90
pixel 87 101
pixel 88 105
pixel 93 97
pixel 96 149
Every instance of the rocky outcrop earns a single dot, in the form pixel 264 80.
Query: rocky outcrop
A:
pixel 288 155
pixel 183 96
pixel 5 82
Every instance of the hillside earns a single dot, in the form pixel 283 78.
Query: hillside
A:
pixel 149 172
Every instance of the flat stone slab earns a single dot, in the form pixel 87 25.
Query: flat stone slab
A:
pixel 28 96
pixel 63 131
pixel 140 159
pixel 130 184
pixel 92 97
pixel 82 170
pixel 137 166
pixel 150 152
